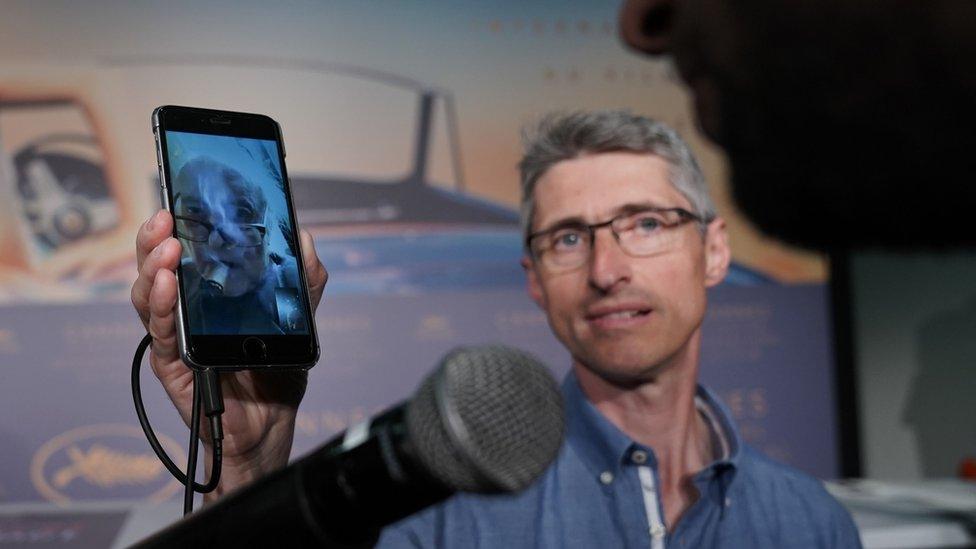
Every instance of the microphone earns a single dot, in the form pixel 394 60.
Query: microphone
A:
pixel 487 419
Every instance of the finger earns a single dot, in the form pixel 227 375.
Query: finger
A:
pixel 165 256
pixel 162 317
pixel 156 229
pixel 175 377
pixel 315 271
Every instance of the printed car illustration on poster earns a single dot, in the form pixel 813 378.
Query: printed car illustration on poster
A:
pixel 375 160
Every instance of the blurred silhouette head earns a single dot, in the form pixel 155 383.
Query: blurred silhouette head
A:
pixel 846 122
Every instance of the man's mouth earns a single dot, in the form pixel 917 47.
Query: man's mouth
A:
pixel 618 317
pixel 215 274
pixel 626 314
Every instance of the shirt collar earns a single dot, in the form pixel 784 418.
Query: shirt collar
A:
pixel 720 420
pixel 604 447
pixel 599 443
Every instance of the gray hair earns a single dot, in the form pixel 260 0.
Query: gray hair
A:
pixel 562 136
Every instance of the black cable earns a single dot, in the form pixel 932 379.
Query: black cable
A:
pixel 191 454
pixel 151 436
pixel 206 391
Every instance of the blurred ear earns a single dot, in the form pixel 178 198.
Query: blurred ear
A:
pixel 718 254
pixel 645 25
pixel 532 281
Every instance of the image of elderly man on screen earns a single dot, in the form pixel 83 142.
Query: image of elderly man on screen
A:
pixel 234 281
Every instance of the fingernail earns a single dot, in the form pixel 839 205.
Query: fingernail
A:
pixel 152 220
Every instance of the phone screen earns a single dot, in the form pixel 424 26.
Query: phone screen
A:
pixel 239 261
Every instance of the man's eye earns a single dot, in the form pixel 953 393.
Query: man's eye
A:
pixel 647 224
pixel 566 240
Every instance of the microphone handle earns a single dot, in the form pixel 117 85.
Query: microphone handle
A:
pixel 334 497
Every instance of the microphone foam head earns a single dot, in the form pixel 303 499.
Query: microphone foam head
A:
pixel 489 419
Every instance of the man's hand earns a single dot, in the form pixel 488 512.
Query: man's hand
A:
pixel 259 407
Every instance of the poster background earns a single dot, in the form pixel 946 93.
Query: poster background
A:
pixel 396 116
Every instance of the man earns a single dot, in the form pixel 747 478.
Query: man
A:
pixel 832 110
pixel 622 242
pixel 234 282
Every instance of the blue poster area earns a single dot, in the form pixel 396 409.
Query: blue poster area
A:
pixel 41 527
pixel 395 304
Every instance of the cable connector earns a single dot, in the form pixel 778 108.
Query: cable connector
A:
pixel 213 401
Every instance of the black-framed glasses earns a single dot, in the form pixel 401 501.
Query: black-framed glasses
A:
pixel 640 233
pixel 245 235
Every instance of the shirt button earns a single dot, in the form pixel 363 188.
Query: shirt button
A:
pixel 657 531
pixel 728 502
pixel 639 457
pixel 606 477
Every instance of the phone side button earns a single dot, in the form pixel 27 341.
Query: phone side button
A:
pixel 255 349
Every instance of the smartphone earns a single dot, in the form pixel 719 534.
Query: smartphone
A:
pixel 243 296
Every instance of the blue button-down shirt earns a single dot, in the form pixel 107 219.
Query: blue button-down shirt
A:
pixel 593 496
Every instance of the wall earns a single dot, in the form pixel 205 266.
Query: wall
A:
pixel 915 345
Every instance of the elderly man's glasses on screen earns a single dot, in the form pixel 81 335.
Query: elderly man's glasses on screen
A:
pixel 245 235
pixel 640 233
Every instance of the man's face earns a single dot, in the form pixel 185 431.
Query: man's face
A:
pixel 623 317
pixel 230 255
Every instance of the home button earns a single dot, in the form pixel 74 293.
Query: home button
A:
pixel 255 349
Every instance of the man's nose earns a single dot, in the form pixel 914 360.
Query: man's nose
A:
pixel 609 264
pixel 219 240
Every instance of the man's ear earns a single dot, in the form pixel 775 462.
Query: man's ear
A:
pixel 718 254
pixel 645 25
pixel 532 282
